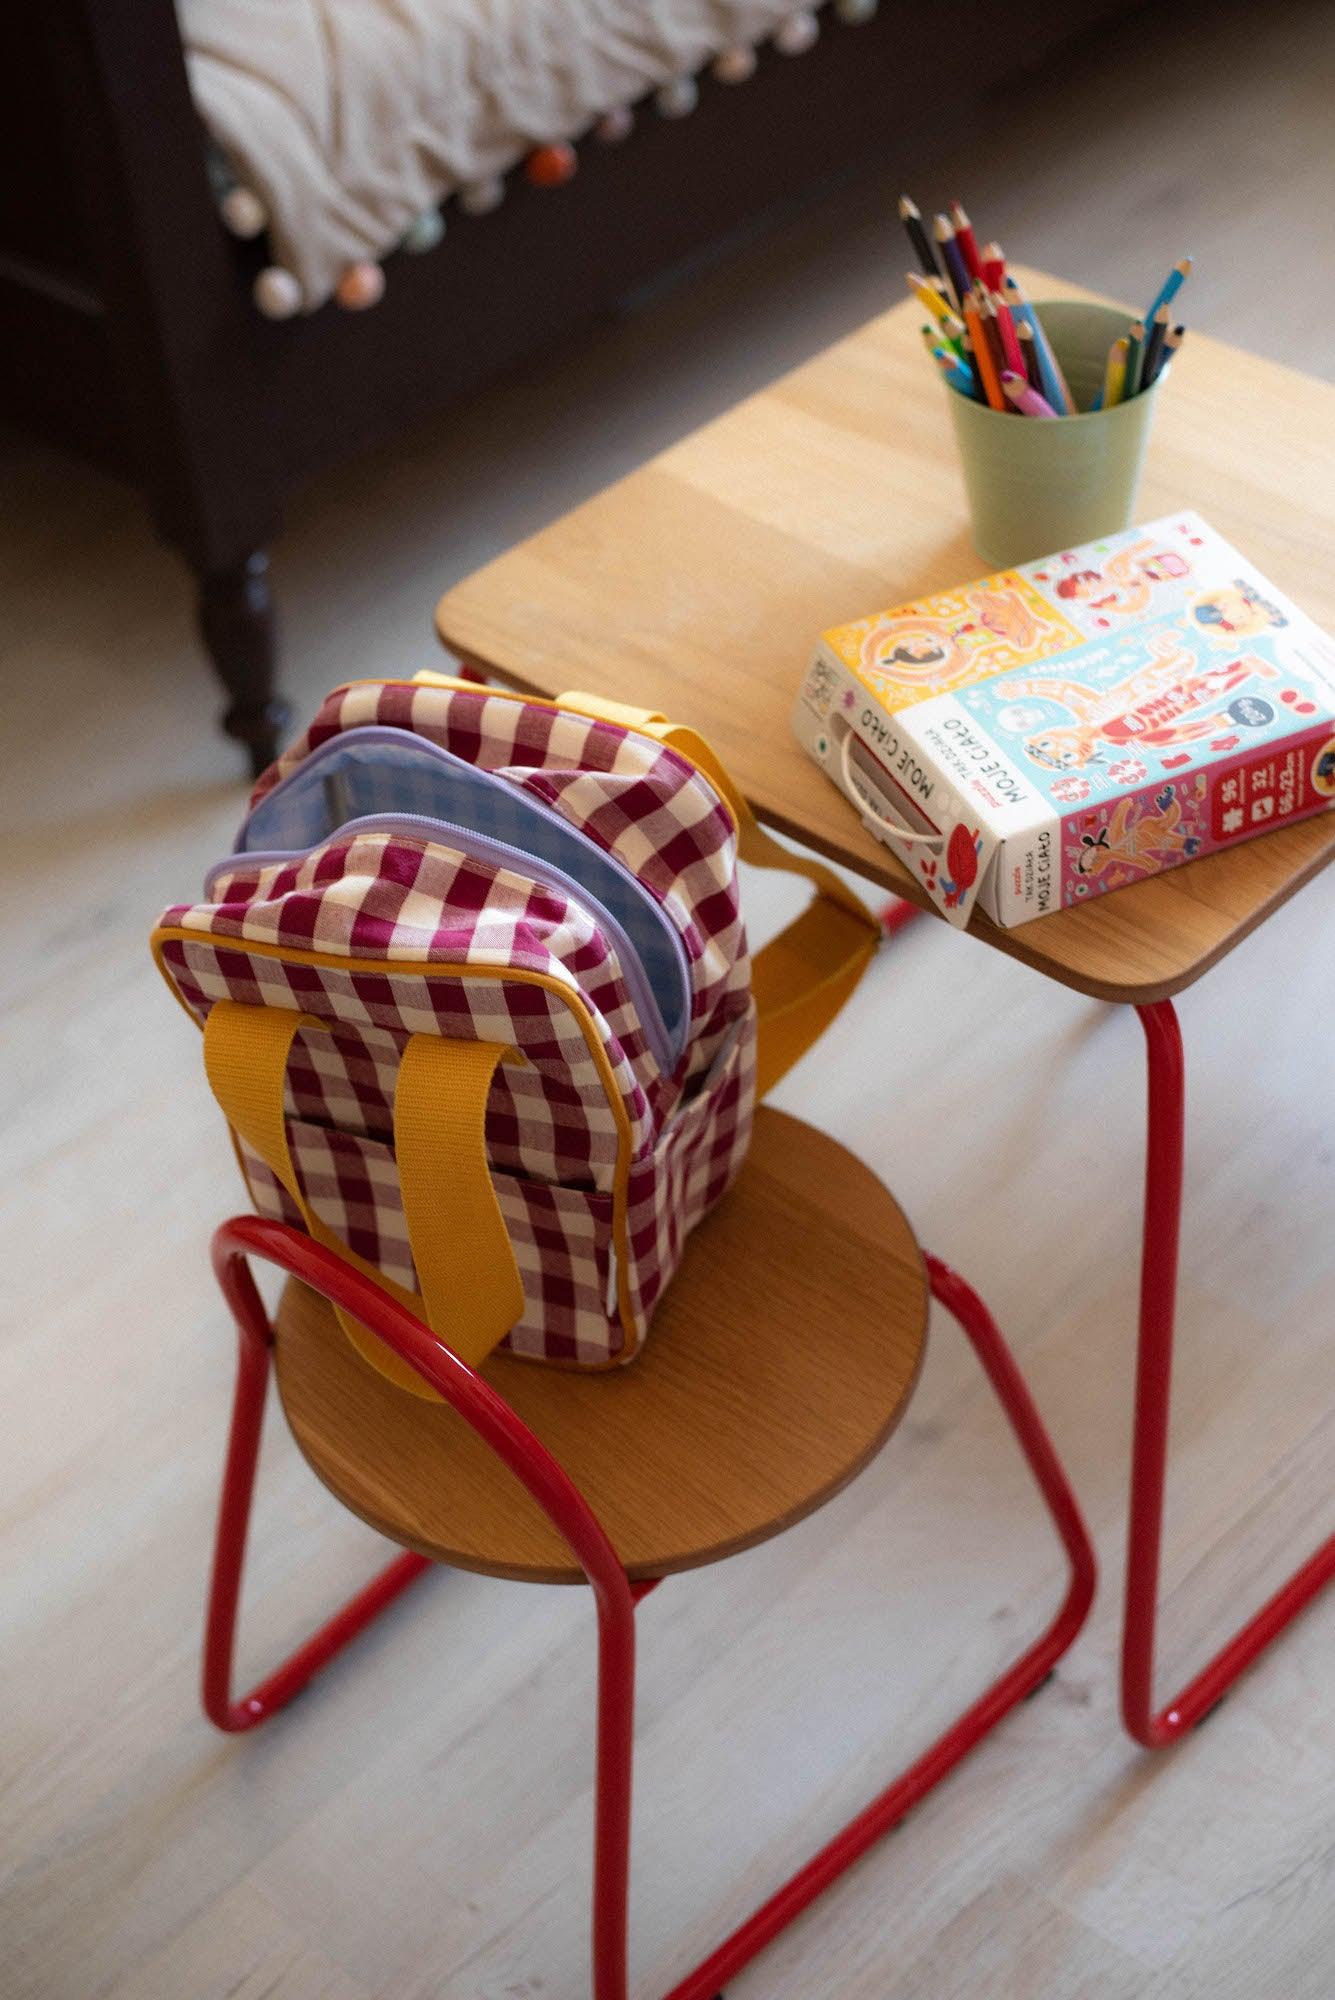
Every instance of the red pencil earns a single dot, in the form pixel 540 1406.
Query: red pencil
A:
pixel 994 266
pixel 1010 345
pixel 964 236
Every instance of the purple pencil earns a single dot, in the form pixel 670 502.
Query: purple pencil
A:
pixel 957 271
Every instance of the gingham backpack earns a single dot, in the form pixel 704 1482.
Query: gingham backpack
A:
pixel 478 1006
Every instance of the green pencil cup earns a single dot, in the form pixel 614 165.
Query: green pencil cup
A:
pixel 1036 484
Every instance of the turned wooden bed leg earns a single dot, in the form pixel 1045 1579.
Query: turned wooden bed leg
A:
pixel 240 630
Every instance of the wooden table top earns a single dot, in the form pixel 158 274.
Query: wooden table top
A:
pixel 698 586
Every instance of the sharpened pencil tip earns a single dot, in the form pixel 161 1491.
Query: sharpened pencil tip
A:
pixel 907 208
pixel 1184 266
pixel 941 228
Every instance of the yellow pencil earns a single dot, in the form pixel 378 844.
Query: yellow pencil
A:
pixel 1114 375
pixel 927 295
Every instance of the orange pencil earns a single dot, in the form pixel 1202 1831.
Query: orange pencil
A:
pixel 988 373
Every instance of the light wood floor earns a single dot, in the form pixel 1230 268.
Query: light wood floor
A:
pixel 417 1825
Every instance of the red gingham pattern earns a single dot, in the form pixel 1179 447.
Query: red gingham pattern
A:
pixel 561 1237
pixel 697 1158
pixel 640 801
pixel 552 1135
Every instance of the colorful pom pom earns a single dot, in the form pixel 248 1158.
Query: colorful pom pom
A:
pixel 797 34
pixel 361 285
pixel 735 65
pixel 551 166
pixel 855 12
pixel 614 126
pixel 678 98
pixel 243 212
pixel 480 197
pixel 276 293
pixel 423 232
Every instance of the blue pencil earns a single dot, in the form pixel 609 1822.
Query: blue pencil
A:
pixel 1170 288
pixel 955 372
pixel 1055 390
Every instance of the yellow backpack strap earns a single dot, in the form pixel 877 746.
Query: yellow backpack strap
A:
pixel 801 978
pixel 471 1293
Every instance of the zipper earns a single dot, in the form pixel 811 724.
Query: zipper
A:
pixel 666 1048
pixel 394 738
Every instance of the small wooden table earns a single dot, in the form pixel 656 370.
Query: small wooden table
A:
pixel 697 586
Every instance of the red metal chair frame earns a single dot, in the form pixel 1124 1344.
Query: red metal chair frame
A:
pixel 615 1596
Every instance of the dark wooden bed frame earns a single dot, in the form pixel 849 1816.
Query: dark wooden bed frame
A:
pixel 127 329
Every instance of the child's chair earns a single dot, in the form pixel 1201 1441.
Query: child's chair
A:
pixel 781 1359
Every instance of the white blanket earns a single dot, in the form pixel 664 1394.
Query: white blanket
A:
pixel 349 117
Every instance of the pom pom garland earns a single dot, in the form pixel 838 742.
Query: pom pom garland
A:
pixel 277 293
pixel 423 232
pixel 481 197
pixel 734 65
pixel 243 212
pixel 614 126
pixel 797 34
pixel 678 98
pixel 361 285
pixel 551 166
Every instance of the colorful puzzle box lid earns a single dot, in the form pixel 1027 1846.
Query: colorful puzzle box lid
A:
pixel 1017 617
pixel 1053 732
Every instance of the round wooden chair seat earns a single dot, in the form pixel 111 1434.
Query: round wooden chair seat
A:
pixel 779 1361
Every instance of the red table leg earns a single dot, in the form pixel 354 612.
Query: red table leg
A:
pixel 1158 1299
pixel 897 914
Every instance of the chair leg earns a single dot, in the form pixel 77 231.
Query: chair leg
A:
pixel 255 1341
pixel 1019 1680
pixel 1158 1304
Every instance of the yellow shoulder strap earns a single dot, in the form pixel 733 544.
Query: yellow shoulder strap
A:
pixel 471 1293
pixel 801 978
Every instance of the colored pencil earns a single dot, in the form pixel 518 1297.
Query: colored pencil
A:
pixel 964 236
pixel 1024 333
pixel 948 250
pixel 1026 400
pixel 1135 348
pixel 911 217
pixel 927 294
pixel 1172 341
pixel 982 357
pixel 1170 288
pixel 1010 344
pixel 971 363
pixel 1149 366
pixel 987 319
pixel 954 371
pixel 1054 382
pixel 953 328
pixel 994 266
pixel 1114 374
